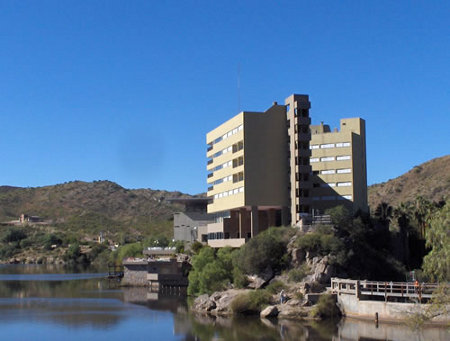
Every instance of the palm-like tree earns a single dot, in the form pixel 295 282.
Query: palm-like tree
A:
pixel 384 213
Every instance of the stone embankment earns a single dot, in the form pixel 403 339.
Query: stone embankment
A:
pixel 219 304
pixel 34 260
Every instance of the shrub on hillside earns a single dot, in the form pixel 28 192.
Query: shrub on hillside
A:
pixel 196 247
pixel 128 250
pixel 267 249
pixel 210 271
pixel 325 307
pixel 275 287
pixel 13 235
pixel 297 275
pixel 251 302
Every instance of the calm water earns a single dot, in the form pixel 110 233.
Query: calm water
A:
pixel 49 303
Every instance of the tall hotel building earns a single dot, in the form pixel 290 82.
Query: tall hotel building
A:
pixel 273 168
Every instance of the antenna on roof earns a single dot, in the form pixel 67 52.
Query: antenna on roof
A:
pixel 239 87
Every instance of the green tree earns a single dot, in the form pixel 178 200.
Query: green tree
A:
pixel 210 271
pixel 267 249
pixel 437 263
pixel 14 235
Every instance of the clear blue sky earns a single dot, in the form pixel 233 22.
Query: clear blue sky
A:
pixel 126 90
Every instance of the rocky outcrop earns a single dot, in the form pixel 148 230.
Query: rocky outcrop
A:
pixel 322 271
pixel 259 281
pixel 269 311
pixel 218 304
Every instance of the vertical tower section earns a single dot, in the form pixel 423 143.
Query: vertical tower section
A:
pixel 339 165
pixel 299 135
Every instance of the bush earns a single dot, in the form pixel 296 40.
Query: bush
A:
pixel 51 239
pixel 128 250
pixel 196 247
pixel 178 245
pixel 325 307
pixel 297 275
pixel 210 272
pixel 13 235
pixel 251 302
pixel 275 287
pixel 267 249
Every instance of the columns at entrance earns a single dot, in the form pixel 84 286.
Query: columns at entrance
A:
pixel 254 221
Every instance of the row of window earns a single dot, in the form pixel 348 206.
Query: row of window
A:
pixel 235 178
pixel 229 133
pixel 334 171
pixel 330 158
pixel 330 145
pixel 223 151
pixel 334 197
pixel 230 192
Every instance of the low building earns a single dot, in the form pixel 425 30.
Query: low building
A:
pixel 191 224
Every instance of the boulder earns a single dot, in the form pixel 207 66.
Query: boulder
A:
pixel 223 301
pixel 204 303
pixel 270 311
pixel 292 312
pixel 258 281
pixel 322 271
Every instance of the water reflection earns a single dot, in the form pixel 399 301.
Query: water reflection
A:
pixel 79 306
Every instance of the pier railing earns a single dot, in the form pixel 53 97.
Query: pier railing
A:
pixel 412 290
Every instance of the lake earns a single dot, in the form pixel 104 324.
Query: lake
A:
pixel 40 302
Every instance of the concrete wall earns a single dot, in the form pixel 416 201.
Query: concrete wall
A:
pixel 135 275
pixel 352 130
pixel 187 226
pixel 351 306
pixel 265 158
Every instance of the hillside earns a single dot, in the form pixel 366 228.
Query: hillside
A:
pixel 430 180
pixel 91 207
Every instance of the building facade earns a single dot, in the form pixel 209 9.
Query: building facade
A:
pixel 338 161
pixel 265 169
pixel 191 224
pixel 247 175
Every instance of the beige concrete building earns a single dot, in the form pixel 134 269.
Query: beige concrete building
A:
pixel 298 121
pixel 247 176
pixel 338 161
pixel 273 168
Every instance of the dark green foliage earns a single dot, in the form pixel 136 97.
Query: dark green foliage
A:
pixel 196 247
pixel 128 250
pixel 437 263
pixel 178 245
pixel 251 302
pixel 297 275
pixel 210 271
pixel 8 250
pixel 325 307
pixel 267 249
pixel 275 287
pixel 73 254
pixel 51 239
pixel 321 242
pixel 13 235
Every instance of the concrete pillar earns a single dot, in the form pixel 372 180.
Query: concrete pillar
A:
pixel 255 221
pixel 285 216
pixel 242 213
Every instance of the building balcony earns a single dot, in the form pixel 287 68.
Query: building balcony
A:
pixel 232 242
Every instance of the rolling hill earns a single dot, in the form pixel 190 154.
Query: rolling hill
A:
pixel 430 180
pixel 91 207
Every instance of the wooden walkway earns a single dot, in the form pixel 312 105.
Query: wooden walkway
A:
pixel 411 290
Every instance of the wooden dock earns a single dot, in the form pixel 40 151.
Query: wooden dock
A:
pixel 408 290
